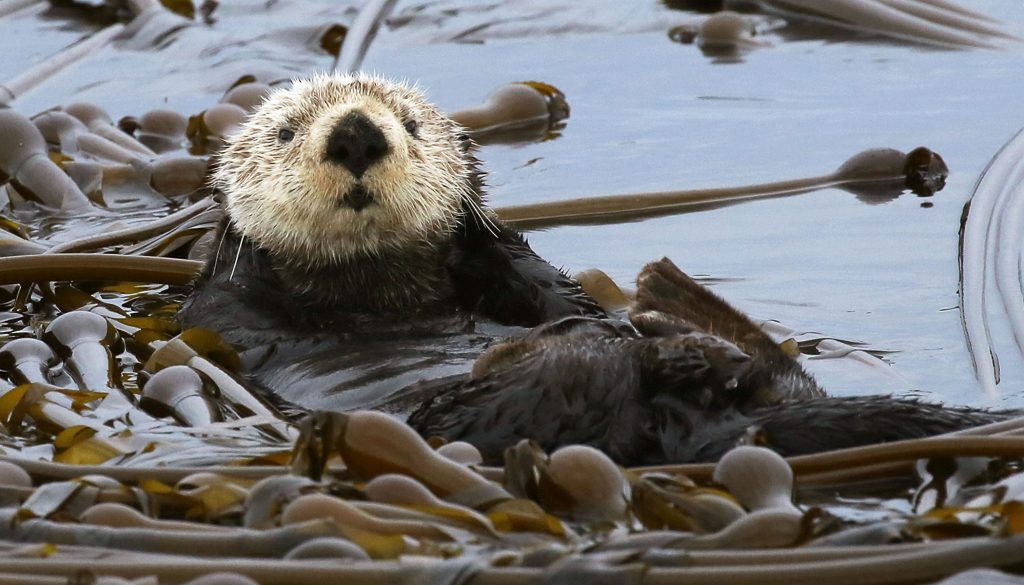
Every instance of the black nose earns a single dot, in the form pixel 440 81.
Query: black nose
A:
pixel 356 143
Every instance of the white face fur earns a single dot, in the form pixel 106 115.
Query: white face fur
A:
pixel 287 195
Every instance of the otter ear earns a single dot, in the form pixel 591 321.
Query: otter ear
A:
pixel 466 144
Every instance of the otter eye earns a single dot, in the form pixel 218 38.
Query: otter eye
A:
pixel 412 127
pixel 285 134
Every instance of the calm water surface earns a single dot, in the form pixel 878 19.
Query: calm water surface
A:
pixel 650 114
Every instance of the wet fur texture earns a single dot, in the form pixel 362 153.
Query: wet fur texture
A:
pixel 334 307
pixel 295 272
pixel 693 380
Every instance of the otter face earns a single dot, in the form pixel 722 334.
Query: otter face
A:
pixel 338 165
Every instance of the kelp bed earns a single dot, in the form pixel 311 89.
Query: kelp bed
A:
pixel 132 454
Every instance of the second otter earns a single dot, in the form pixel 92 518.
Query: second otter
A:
pixel 359 268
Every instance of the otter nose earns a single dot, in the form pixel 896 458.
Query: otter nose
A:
pixel 356 143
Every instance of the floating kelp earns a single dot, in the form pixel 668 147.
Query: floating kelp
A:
pixel 360 35
pixel 517 112
pixel 879 172
pixel 922 21
pixel 129 448
pixel 22 83
pixel 927 22
pixel 990 252
pixel 725 33
pixel 740 531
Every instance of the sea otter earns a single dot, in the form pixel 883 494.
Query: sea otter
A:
pixel 358 267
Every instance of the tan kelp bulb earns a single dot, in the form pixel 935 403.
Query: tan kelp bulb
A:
pixel 223 119
pixel 248 96
pixel 461 452
pixel 510 105
pixel 100 123
pixel 178 175
pixel 269 496
pixel 374 443
pixel 85 341
pixel 593 483
pixel 24 159
pixel 162 130
pixel 12 475
pixel 177 391
pixel 759 478
pixel 27 360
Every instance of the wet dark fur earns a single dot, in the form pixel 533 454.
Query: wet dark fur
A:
pixel 680 392
pixel 456 292
pixel 687 379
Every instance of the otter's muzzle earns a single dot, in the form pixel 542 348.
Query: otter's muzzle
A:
pixel 356 143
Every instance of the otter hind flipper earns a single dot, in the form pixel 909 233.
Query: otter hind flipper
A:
pixel 669 301
pixel 663 287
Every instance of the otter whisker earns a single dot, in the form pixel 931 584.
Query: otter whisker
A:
pixel 220 245
pixel 241 244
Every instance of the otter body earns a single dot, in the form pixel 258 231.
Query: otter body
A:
pixel 356 257
pixel 328 348
pixel 359 268
pixel 692 380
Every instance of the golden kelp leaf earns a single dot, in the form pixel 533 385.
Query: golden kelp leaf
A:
pixel 949 530
pixel 452 513
pixel 1013 514
pixel 215 500
pixel 664 501
pixel 76 445
pixel 275 458
pixel 600 287
pixel 9 402
pixel 790 347
pixel 154 486
pixel 69 298
pixel 71 436
pixel 332 39
pixel 524 516
pixel 126 288
pixel 210 345
pixel 143 338
pixel 16 402
pixel 165 494
pixel 193 342
pixel 657 513
pixel 378 546
pixel 81 398
pixel 8 224
pixel 181 7
pixel 59 158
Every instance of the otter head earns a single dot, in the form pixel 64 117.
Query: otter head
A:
pixel 337 166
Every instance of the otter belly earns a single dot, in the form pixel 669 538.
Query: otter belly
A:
pixel 393 373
